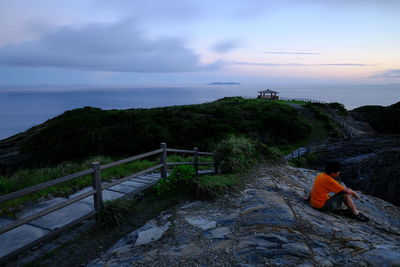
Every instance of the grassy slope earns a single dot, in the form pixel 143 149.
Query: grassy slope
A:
pixel 81 133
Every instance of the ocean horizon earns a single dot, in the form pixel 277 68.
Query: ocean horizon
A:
pixel 21 109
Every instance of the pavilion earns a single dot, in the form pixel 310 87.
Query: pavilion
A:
pixel 267 94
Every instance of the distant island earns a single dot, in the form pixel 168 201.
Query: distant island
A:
pixel 222 83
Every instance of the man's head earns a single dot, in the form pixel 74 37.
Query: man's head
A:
pixel 332 169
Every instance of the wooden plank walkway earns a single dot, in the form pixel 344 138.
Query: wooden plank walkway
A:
pixel 37 231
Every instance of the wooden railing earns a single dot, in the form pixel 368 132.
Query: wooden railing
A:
pixel 95 171
pixel 315 149
pixel 301 99
pixel 307 100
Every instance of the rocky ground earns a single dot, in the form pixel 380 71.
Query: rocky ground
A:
pixel 268 223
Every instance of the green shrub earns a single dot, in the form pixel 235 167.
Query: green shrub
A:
pixel 178 182
pixel 235 154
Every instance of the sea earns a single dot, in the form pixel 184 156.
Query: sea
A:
pixel 23 108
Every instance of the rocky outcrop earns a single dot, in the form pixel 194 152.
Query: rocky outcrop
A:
pixel 377 174
pixel 267 224
pixel 371 165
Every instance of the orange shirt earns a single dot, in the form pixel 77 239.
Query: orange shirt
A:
pixel 323 185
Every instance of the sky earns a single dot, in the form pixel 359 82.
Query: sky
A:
pixel 129 42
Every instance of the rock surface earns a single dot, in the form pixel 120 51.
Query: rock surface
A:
pixel 267 224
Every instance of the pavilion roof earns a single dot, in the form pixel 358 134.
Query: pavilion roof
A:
pixel 268 92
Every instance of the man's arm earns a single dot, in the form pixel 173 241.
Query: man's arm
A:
pixel 351 192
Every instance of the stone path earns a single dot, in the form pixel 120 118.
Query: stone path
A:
pixel 16 240
pixel 267 224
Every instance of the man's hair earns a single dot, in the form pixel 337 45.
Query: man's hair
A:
pixel 332 167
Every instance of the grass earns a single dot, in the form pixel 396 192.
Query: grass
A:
pixel 211 186
pixel 26 178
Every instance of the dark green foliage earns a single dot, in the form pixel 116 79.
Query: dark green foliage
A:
pixel 270 153
pixel 113 214
pixel 338 107
pixel 178 182
pixel 235 154
pixel 381 119
pixel 84 132
pixel 305 161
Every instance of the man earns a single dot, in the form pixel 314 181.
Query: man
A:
pixel 324 184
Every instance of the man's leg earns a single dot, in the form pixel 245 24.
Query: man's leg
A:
pixel 350 204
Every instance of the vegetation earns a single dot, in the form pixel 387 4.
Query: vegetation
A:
pixel 81 133
pixel 305 161
pixel 381 119
pixel 29 177
pixel 178 182
pixel 213 186
pixel 252 129
pixel 235 154
pixel 242 132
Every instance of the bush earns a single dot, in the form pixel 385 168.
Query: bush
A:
pixel 235 154
pixel 339 108
pixel 178 182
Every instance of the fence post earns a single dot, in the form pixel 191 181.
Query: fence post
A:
pixel 164 160
pixel 196 160
pixel 98 196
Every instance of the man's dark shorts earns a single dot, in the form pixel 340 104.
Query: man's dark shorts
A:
pixel 334 203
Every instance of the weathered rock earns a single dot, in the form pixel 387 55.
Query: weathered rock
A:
pixel 322 262
pixel 218 233
pixel 201 222
pixel 297 249
pixel 267 225
pixel 151 234
pixel 383 257
pixel 194 204
pixel 275 211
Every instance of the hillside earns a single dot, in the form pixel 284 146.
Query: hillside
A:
pixel 381 119
pixel 81 133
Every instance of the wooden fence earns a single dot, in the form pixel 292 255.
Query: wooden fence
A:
pixel 315 149
pixel 307 100
pixel 98 188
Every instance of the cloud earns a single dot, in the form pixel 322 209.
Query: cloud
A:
pixel 118 47
pixel 291 53
pixel 154 10
pixel 389 74
pixel 225 46
pixel 346 64
pixel 300 64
